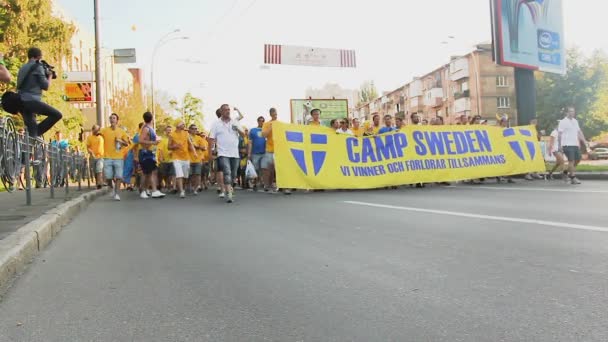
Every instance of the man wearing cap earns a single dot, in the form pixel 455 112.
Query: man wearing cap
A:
pixel 95 148
pixel 196 160
pixel 225 135
pixel 181 146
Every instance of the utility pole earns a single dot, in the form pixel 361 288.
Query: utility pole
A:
pixel 98 99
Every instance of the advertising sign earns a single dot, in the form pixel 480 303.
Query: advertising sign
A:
pixel 79 92
pixel 312 157
pixel 529 34
pixel 309 56
pixel 330 109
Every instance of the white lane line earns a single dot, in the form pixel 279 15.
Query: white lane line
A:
pixel 484 217
pixel 534 189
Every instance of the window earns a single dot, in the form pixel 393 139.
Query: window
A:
pixel 501 81
pixel 465 86
pixel 398 108
pixel 503 102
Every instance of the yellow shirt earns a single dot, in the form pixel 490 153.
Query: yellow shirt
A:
pixel 314 123
pixel 374 129
pixel 109 142
pixel 95 143
pixel 163 155
pixel 358 132
pixel 180 138
pixel 205 154
pixel 269 140
pixel 197 141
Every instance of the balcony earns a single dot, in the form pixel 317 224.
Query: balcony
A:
pixel 416 104
pixel 459 69
pixel 433 97
pixel 462 105
pixel 459 95
pixel 415 88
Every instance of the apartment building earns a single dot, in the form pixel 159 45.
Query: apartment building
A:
pixel 468 85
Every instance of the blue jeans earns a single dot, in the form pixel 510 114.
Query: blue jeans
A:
pixel 229 166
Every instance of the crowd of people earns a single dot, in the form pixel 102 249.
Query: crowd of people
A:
pixel 186 160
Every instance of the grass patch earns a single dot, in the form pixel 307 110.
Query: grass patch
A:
pixel 584 168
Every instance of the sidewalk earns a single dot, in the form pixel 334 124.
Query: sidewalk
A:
pixel 14 213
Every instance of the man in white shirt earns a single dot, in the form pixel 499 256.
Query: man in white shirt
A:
pixel 569 139
pixel 225 135
pixel 344 129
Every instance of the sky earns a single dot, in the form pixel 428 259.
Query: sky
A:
pixel 395 40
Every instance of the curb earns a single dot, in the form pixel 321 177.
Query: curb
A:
pixel 19 248
pixel 592 175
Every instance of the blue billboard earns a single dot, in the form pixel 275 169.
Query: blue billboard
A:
pixel 529 34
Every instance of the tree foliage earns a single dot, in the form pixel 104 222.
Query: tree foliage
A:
pixel 584 86
pixel 367 93
pixel 190 110
pixel 27 23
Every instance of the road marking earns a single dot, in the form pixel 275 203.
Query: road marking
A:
pixel 484 217
pixel 534 189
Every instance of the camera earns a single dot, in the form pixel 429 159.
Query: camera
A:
pixel 49 70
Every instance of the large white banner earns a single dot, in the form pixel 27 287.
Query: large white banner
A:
pixel 309 56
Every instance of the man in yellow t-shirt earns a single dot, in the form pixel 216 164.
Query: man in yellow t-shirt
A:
pixel 196 160
pixel 316 117
pixel 206 159
pixel 268 170
pixel 374 127
pixel 114 140
pixel 181 146
pixel 165 162
pixel 95 148
pixel 357 129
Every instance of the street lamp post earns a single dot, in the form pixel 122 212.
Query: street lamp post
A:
pixel 160 43
pixel 98 99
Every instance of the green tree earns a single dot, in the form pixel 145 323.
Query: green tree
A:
pixel 581 86
pixel 190 110
pixel 27 23
pixel 367 93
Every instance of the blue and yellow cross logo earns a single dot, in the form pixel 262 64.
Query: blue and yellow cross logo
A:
pixel 299 154
pixel 529 142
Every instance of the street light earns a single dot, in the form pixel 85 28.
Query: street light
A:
pixel 163 40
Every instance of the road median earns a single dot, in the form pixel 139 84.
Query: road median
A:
pixel 19 248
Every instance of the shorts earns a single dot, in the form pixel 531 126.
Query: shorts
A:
pixel 206 168
pixel 182 168
pixel 573 153
pixel 167 169
pixel 267 161
pixel 148 166
pixel 96 165
pixel 113 168
pixel 256 160
pixel 196 169
pixel 230 167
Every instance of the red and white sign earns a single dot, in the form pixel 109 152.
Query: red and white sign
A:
pixel 309 56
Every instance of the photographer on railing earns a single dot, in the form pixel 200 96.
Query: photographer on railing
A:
pixel 34 77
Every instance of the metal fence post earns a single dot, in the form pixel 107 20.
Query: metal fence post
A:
pixel 28 180
pixel 51 172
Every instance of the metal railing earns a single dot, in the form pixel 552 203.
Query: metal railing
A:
pixel 27 163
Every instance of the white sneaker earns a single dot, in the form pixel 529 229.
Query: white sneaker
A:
pixel 182 194
pixel 144 195
pixel 117 198
pixel 157 194
pixel 575 181
pixel 230 197
pixel 222 195
pixel 149 193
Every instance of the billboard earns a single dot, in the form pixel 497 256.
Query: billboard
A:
pixel 309 56
pixel 79 92
pixel 330 109
pixel 529 34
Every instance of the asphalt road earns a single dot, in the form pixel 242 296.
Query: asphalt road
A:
pixel 523 262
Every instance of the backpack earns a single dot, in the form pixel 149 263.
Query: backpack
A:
pixel 11 101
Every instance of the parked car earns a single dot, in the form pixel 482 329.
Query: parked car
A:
pixel 599 153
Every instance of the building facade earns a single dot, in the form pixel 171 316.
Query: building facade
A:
pixel 468 85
